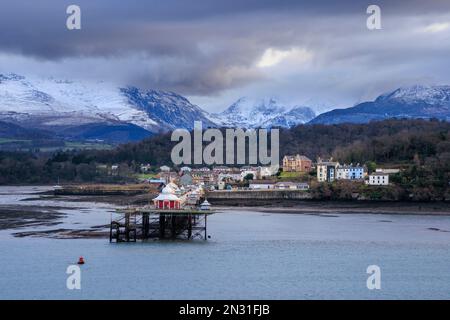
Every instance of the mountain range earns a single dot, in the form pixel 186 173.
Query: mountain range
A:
pixel 416 102
pixel 266 113
pixel 83 110
pixel 93 109
pixel 100 110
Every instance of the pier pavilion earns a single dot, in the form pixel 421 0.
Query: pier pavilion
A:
pixel 167 199
pixel 169 217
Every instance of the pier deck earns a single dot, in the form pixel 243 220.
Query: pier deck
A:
pixel 146 223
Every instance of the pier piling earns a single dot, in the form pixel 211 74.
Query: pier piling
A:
pixel 142 224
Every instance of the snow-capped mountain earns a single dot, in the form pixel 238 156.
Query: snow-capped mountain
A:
pixel 89 109
pixel 431 95
pixel 408 102
pixel 50 102
pixel 265 113
pixel 55 104
pixel 169 110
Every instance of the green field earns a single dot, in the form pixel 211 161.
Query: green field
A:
pixel 51 146
pixel 290 175
pixel 294 176
pixel 88 145
pixel 145 176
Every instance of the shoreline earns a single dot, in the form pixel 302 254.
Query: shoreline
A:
pixel 139 196
pixel 348 207
pixel 314 211
pixel 289 206
pixel 22 218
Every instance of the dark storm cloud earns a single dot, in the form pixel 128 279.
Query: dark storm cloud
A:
pixel 202 47
pixel 161 27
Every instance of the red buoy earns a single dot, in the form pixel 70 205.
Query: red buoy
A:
pixel 81 260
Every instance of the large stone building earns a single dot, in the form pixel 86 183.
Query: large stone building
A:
pixel 326 170
pixel 297 163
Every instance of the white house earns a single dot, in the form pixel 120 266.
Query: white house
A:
pixel 388 171
pixel 291 186
pixel 157 181
pixel 164 169
pixel 261 185
pixel 378 179
pixel 230 176
pixel 267 171
pixel 146 168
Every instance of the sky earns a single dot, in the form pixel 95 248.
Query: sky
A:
pixel 315 53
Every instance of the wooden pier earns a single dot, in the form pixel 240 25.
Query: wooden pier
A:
pixel 143 224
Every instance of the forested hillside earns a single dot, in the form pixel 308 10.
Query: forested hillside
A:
pixel 420 147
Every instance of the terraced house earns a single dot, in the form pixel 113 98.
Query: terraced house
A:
pixel 350 172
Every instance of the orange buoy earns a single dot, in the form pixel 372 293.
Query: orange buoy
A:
pixel 81 260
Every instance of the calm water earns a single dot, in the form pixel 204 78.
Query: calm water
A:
pixel 250 255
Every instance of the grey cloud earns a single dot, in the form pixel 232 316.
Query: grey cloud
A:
pixel 210 48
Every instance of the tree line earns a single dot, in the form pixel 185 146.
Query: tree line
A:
pixel 420 147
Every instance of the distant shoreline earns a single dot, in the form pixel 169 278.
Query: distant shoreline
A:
pixel 296 207
pixel 335 207
pixel 439 208
pixel 282 206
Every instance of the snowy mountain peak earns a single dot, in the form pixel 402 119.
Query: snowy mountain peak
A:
pixel 415 102
pixel 266 112
pixel 168 109
pixel 50 103
pixel 247 106
pixel 61 105
pixel 419 93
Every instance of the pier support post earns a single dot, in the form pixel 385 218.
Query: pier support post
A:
pixel 189 226
pixel 206 216
pixel 173 225
pixel 127 227
pixel 162 225
pixel 145 225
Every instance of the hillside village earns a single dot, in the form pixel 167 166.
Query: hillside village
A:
pixel 297 174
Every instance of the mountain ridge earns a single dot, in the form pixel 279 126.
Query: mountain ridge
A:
pixel 59 105
pixel 98 110
pixel 265 113
pixel 415 102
